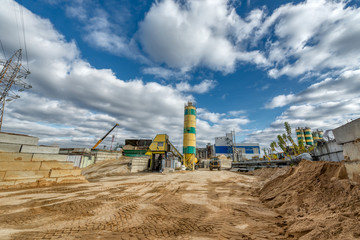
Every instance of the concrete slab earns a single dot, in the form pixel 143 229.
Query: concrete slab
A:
pixel 16 175
pixel 49 157
pixel 348 132
pixel 65 173
pixel 39 149
pixel 78 179
pixel 56 165
pixel 19 166
pixel 32 182
pixel 17 157
pixel 351 151
pixel 2 175
pixel 18 139
pixel 10 147
pixel 353 170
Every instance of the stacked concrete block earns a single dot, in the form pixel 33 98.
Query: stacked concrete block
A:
pixel 107 155
pixel 348 136
pixel 23 164
pixel 139 164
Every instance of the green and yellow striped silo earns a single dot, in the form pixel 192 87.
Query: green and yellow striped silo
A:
pixel 320 134
pixel 308 136
pixel 189 144
pixel 300 136
pixel 315 135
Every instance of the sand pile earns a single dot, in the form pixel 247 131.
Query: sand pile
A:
pixel 107 168
pixel 316 199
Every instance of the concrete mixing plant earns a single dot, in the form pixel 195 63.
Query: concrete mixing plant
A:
pixel 308 137
pixel 189 144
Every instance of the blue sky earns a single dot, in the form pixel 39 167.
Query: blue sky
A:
pixel 249 66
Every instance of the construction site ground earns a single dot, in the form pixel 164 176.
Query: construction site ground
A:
pixel 182 205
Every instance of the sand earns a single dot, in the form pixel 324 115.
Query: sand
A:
pixel 312 201
pixel 316 199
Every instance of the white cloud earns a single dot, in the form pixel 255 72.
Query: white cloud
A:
pixel 324 105
pixel 165 73
pixel 312 36
pixel 197 33
pixel 74 104
pixel 200 88
pixel 342 88
pixel 280 101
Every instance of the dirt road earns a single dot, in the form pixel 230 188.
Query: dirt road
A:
pixel 183 205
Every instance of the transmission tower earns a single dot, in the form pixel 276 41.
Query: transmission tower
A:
pixel 11 81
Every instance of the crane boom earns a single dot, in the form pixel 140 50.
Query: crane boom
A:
pixel 97 144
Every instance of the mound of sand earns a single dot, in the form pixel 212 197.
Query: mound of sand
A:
pixel 107 168
pixel 316 199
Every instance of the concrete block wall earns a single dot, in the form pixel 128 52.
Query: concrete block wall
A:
pixel 107 155
pixel 139 164
pixel 349 136
pixel 31 170
pixel 18 139
pixel 10 142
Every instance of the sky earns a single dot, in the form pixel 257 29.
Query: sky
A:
pixel 249 65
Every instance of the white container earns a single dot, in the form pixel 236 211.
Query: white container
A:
pixel 183 167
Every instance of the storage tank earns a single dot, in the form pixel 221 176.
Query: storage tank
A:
pixel 320 134
pixel 300 136
pixel 189 144
pixel 315 136
pixel 308 136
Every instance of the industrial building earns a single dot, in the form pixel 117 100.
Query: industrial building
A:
pixel 239 151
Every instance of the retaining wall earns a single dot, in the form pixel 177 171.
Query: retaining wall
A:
pixel 139 164
pixel 349 136
pixel 30 170
pixel 18 139
pixel 107 155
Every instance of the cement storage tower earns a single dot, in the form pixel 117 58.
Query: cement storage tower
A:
pixel 189 144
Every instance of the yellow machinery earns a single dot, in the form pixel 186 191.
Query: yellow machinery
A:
pixel 97 144
pixel 158 150
pixel 189 144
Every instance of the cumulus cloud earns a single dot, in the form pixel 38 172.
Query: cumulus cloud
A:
pixel 74 104
pixel 312 36
pixel 187 34
pixel 166 73
pixel 342 88
pixel 324 105
pixel 200 88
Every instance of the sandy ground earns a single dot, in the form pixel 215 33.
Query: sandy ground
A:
pixel 183 205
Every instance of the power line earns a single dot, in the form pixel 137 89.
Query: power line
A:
pixel 2 47
pixel 23 28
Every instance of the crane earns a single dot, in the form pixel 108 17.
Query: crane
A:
pixel 97 144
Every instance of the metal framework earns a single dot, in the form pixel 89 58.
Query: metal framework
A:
pixel 11 80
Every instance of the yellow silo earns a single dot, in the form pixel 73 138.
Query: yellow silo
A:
pixel 321 134
pixel 315 135
pixel 189 144
pixel 308 136
pixel 300 136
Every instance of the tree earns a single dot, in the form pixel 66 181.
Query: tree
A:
pixel 293 149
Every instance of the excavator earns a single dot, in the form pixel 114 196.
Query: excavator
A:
pixel 97 144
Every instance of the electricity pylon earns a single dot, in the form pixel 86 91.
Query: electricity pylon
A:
pixel 11 79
